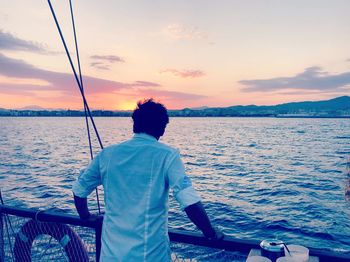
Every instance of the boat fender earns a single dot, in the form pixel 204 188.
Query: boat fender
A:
pixel 65 235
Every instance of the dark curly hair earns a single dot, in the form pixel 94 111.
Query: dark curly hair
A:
pixel 150 117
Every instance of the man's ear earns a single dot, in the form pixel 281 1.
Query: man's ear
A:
pixel 162 131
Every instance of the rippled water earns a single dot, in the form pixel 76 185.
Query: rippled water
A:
pixel 258 177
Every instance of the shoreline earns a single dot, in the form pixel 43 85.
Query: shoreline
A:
pixel 177 116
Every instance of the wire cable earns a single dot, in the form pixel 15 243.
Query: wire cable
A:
pixel 79 82
pixel 75 74
pixel 82 87
pixel 80 77
pixel 1 200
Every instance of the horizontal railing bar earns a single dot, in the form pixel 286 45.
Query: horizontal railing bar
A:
pixel 47 216
pixel 175 235
pixel 228 243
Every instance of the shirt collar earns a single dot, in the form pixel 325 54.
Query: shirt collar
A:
pixel 145 136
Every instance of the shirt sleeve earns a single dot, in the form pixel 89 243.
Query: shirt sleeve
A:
pixel 88 179
pixel 181 184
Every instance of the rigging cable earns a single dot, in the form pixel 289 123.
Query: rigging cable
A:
pixel 75 74
pixel 80 77
pixel 80 85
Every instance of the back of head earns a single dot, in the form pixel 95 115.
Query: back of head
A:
pixel 150 117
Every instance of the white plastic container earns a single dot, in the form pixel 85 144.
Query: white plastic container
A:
pixel 286 259
pixel 258 259
pixel 297 253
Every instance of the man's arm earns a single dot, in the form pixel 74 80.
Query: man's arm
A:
pixel 199 217
pixel 82 207
pixel 188 199
pixel 85 183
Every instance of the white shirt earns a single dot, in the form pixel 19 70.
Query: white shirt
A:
pixel 136 176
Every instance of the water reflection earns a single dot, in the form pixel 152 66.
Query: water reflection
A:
pixel 259 177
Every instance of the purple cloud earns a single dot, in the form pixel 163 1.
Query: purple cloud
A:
pixel 56 81
pixel 19 89
pixel 108 58
pixel 313 78
pixel 144 84
pixel 11 42
pixel 100 65
pixel 184 73
pixel 103 62
pixel 66 86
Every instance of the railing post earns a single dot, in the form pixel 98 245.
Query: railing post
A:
pixel 98 234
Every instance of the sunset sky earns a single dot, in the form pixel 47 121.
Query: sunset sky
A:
pixel 184 53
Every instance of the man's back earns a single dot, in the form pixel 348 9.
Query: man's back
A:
pixel 136 176
pixel 136 193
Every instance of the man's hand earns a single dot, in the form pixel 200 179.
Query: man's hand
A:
pixel 218 236
pixel 82 207
pixel 94 218
pixel 199 217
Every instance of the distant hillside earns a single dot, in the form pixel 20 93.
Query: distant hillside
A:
pixel 199 108
pixel 338 103
pixel 33 107
pixel 337 107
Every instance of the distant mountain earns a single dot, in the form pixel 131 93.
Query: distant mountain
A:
pixel 199 108
pixel 338 103
pixel 32 107
pixel 336 107
pixel 38 108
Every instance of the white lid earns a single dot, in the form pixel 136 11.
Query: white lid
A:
pixel 258 259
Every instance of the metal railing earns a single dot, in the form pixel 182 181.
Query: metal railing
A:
pixel 19 224
pixel 81 240
pixel 21 227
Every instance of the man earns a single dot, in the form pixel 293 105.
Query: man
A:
pixel 136 176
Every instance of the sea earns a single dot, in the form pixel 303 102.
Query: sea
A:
pixel 259 178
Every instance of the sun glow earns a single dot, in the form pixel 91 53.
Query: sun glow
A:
pixel 126 105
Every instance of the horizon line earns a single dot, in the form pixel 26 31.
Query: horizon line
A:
pixel 39 108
